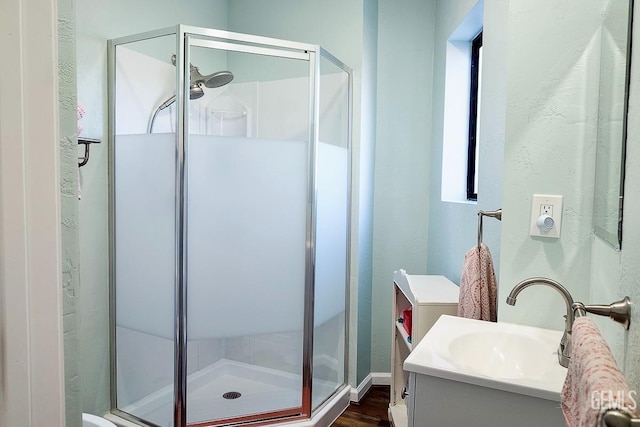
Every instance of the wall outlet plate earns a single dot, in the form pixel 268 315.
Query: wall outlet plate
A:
pixel 542 207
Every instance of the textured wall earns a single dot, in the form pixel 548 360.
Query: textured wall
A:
pixel 69 206
pixel 552 90
pixel 401 193
pixel 453 226
pixel 550 149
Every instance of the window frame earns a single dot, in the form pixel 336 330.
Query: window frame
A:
pixel 474 99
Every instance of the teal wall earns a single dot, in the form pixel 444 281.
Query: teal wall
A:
pixel 453 225
pixel 552 92
pixel 366 190
pixel 403 140
pixel 550 148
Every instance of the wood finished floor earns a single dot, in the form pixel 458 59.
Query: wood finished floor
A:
pixel 370 411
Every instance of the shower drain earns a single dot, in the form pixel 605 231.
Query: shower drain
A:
pixel 231 395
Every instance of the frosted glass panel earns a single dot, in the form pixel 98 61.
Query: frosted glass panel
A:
pixel 330 282
pixel 145 233
pixel 246 241
pixel 145 271
pixel 331 234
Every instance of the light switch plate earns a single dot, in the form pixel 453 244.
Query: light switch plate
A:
pixel 551 206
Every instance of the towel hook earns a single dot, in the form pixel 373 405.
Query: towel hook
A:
pixel 86 141
pixel 497 214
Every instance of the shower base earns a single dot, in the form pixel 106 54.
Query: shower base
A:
pixel 261 390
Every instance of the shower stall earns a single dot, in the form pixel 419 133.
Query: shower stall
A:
pixel 229 217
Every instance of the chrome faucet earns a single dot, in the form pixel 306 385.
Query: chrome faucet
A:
pixel 564 350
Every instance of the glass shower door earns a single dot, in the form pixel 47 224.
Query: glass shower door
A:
pixel 331 248
pixel 246 161
pixel 143 241
pixel 229 217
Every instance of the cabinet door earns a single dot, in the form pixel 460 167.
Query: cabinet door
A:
pixel 411 400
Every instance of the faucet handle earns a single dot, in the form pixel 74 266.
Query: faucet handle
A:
pixel 564 350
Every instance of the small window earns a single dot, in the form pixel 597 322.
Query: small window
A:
pixel 474 116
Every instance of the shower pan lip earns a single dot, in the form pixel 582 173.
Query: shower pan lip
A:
pixel 324 415
pixel 333 406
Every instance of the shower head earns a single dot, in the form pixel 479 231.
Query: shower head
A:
pixel 195 91
pixel 196 81
pixel 217 79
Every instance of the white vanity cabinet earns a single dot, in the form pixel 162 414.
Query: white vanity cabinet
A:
pixel 438 401
pixel 427 297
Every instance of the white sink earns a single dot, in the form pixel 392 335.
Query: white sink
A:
pixel 505 356
pixel 500 354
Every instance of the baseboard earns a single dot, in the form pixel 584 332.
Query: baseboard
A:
pixel 374 378
pixel 381 378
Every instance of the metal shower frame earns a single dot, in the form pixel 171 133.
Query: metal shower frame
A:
pixel 186 37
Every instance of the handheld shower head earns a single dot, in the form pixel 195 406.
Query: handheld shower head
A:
pixel 217 79
pixel 195 91
pixel 196 81
pixel 214 80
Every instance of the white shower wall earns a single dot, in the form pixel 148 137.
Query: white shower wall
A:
pixel 275 109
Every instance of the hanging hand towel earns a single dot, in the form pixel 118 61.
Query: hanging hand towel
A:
pixel 478 285
pixel 594 384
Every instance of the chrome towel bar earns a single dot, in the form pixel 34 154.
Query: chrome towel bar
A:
pixel 497 214
pixel 619 311
pixel 617 418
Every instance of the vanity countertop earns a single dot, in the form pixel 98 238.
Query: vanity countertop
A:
pixel 505 356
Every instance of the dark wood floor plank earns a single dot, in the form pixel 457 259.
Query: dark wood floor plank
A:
pixel 370 411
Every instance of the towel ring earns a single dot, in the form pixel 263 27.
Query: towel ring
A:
pixel 497 214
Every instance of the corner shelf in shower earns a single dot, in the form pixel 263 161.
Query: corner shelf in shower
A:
pixel 87 142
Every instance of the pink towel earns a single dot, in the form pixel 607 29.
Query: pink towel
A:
pixel 594 384
pixel 478 286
